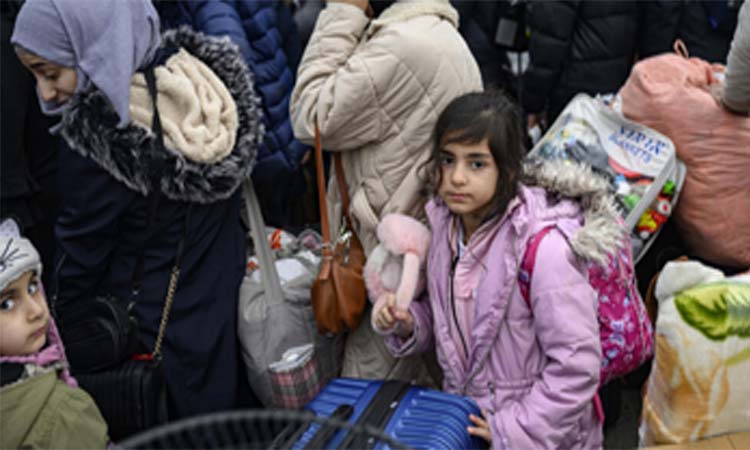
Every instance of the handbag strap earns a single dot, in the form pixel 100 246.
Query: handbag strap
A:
pixel 322 202
pixel 172 289
pixel 268 273
pixel 155 191
pixel 343 190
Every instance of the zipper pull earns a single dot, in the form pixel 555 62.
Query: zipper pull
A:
pixel 454 263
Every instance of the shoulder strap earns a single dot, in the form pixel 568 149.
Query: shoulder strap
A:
pixel 326 247
pixel 154 195
pixel 153 204
pixel 343 189
pixel 338 168
pixel 528 261
pixel 268 274
pixel 322 202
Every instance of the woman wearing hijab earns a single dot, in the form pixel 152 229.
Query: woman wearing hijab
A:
pixel 125 201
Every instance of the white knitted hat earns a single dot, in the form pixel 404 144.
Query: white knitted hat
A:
pixel 17 255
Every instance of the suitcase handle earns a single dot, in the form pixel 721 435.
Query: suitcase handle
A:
pixel 326 431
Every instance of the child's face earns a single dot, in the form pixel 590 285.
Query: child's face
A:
pixel 468 178
pixel 55 83
pixel 24 317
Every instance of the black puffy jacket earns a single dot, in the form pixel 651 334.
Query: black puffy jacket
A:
pixel 478 20
pixel 707 32
pixel 577 46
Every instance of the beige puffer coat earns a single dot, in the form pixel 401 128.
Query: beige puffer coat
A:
pixel 377 89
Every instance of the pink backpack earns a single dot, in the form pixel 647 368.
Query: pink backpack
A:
pixel 624 327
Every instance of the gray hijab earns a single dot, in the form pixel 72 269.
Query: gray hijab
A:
pixel 106 41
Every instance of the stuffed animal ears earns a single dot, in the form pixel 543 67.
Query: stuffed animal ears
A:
pixel 407 289
pixel 401 234
pixel 372 273
pixel 405 241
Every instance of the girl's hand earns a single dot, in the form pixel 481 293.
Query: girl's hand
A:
pixel 481 428
pixel 390 317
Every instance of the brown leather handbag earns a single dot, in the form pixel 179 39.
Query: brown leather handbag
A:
pixel 338 293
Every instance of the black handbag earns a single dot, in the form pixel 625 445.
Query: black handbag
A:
pixel 100 336
pixel 132 397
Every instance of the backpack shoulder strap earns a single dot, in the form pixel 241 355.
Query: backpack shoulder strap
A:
pixel 528 261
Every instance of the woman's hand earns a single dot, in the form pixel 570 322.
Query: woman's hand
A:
pixel 481 428
pixel 389 317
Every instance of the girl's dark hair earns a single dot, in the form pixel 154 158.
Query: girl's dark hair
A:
pixel 471 118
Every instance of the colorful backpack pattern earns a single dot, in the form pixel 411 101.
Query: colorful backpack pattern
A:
pixel 624 327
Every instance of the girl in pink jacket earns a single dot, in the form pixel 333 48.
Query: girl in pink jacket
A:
pixel 534 370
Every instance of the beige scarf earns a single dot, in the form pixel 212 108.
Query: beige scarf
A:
pixel 198 115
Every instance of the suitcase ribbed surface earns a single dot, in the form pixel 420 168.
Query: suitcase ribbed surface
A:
pixel 422 419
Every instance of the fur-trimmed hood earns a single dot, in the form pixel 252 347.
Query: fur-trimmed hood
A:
pixel 89 128
pixel 603 230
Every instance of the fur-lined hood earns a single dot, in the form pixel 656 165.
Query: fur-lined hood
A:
pixel 89 128
pixel 603 229
pixel 568 191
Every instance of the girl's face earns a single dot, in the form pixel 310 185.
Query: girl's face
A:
pixel 468 179
pixel 24 317
pixel 55 83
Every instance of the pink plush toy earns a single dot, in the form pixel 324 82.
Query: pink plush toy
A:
pixel 395 266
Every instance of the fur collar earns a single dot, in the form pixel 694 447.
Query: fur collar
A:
pixel 603 230
pixel 89 128
pixel 406 9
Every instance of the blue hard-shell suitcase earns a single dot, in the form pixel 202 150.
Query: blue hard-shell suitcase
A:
pixel 416 417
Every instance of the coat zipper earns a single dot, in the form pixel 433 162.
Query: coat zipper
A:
pixel 454 263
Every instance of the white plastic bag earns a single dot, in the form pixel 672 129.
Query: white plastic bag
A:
pixel 640 164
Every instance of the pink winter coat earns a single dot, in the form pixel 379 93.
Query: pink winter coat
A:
pixel 535 373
